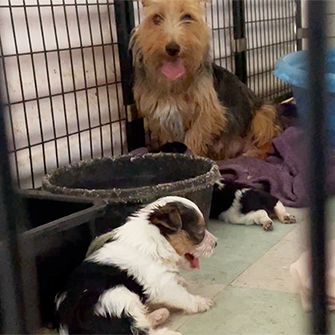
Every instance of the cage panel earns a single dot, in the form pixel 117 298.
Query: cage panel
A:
pixel 62 83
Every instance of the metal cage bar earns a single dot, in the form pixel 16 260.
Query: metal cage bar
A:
pixel 19 313
pixel 318 148
pixel 62 84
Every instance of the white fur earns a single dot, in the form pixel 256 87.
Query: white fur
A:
pixel 282 214
pixel 119 300
pixel 59 299
pixel 206 247
pixel 234 215
pixel 141 250
pixel 169 116
pixel 63 330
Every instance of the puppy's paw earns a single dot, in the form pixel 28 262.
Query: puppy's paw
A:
pixel 289 219
pixel 267 225
pixel 201 304
pixel 159 316
pixel 163 331
pixel 182 281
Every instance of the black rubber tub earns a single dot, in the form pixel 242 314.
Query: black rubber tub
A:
pixel 60 229
pixel 128 182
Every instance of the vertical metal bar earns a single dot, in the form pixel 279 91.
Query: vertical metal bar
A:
pixel 317 160
pixel 11 122
pixel 219 30
pixel 73 81
pixel 61 77
pixel 12 296
pixel 48 81
pixel 239 36
pixel 88 6
pixel 105 72
pixel 114 58
pixel 124 17
pixel 213 33
pixel 125 22
pixel 38 103
pixel 18 64
pixel 225 29
pixel 84 75
pixel 298 22
pixel 231 27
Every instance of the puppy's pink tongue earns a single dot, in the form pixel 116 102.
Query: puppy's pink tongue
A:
pixel 173 70
pixel 194 261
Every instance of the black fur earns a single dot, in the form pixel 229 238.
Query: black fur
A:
pixel 173 147
pixel 242 102
pixel 237 97
pixel 251 200
pixel 87 283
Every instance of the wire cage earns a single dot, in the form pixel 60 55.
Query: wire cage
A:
pixel 62 84
pixel 66 87
pixel 66 90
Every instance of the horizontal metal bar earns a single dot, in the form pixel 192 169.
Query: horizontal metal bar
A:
pixel 271 20
pixel 15 102
pixel 58 5
pixel 271 45
pixel 45 52
pixel 67 135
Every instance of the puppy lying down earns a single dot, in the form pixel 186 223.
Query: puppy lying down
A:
pixel 134 266
pixel 241 204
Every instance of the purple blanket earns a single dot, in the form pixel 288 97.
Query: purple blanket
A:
pixel 282 173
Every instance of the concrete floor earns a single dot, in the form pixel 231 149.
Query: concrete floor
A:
pixel 249 279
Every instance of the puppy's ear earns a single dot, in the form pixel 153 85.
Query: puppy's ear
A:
pixel 167 219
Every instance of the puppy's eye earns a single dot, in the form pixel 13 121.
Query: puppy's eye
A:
pixel 157 19
pixel 187 18
pixel 200 236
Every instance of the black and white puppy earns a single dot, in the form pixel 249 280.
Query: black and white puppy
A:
pixel 134 266
pixel 240 204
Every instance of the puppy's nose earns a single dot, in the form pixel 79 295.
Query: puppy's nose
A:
pixel 172 49
pixel 215 244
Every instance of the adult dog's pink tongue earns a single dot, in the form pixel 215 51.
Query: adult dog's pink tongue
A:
pixel 173 70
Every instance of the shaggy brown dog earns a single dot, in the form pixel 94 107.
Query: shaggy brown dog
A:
pixel 184 97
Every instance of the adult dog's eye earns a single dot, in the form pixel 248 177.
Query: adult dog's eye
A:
pixel 157 19
pixel 187 18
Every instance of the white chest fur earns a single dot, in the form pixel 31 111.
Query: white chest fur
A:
pixel 169 116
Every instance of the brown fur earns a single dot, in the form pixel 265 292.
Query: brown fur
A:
pixel 171 221
pixel 181 242
pixel 188 109
pixel 264 127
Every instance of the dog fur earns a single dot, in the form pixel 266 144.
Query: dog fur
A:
pixel 184 97
pixel 240 204
pixel 135 266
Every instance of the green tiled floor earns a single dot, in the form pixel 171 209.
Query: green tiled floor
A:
pixel 249 279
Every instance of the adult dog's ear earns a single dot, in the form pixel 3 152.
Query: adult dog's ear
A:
pixel 167 219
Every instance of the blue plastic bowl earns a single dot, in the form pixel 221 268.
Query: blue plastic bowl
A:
pixel 292 69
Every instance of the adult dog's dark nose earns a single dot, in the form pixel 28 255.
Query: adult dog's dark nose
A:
pixel 172 49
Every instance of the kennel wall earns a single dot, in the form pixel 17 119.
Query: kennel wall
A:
pixel 67 72
pixel 25 89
